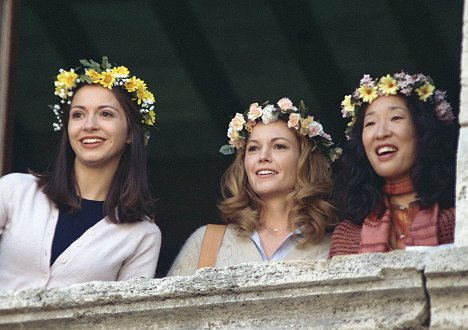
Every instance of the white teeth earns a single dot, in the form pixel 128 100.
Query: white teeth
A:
pixel 382 150
pixel 92 140
pixel 264 172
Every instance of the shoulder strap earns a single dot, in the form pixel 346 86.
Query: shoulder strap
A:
pixel 211 242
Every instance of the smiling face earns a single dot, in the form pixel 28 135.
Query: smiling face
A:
pixel 389 138
pixel 97 128
pixel 271 158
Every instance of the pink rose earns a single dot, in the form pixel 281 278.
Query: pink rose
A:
pixel 255 111
pixel 315 129
pixel 294 120
pixel 237 122
pixel 285 104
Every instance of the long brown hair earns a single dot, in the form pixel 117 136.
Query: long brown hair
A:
pixel 129 198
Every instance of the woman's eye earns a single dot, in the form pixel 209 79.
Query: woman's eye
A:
pixel 280 146
pixel 369 123
pixel 76 115
pixel 107 114
pixel 396 118
pixel 252 148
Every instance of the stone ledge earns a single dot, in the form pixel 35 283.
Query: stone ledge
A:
pixel 446 275
pixel 365 291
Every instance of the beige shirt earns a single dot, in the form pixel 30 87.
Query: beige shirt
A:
pixel 105 252
pixel 236 250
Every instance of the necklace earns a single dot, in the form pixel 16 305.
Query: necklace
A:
pixel 275 230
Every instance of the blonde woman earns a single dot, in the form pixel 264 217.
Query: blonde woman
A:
pixel 275 193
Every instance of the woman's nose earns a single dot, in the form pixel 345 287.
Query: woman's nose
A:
pixel 265 155
pixel 91 123
pixel 383 131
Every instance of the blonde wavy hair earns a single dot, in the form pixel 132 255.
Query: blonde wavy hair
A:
pixel 312 208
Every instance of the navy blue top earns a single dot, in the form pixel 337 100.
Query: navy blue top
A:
pixel 70 226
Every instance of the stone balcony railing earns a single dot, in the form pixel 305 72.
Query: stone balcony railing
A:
pixel 401 289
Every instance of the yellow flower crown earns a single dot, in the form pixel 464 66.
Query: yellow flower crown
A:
pixel 242 124
pixel 400 83
pixel 107 76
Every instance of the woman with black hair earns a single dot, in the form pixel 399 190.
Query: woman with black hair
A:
pixel 90 217
pixel 396 183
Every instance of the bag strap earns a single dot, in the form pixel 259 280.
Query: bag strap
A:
pixel 211 243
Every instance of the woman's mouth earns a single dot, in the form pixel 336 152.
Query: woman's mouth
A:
pixel 92 140
pixel 382 151
pixel 266 172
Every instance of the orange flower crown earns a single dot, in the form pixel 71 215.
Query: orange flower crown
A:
pixel 106 75
pixel 400 83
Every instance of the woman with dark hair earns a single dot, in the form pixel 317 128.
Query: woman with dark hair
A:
pixel 275 193
pixel 90 216
pixel 396 184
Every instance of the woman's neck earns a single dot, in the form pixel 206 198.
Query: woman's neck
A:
pixel 93 183
pixel 276 213
pixel 401 193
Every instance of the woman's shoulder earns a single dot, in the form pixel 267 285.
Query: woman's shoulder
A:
pixel 345 238
pixel 18 178
pixel 147 227
pixel 18 182
pixel 347 226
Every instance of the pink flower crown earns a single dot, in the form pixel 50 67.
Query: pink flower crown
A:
pixel 242 124
pixel 400 83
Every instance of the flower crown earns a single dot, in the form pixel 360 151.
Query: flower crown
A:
pixel 242 124
pixel 107 76
pixel 400 83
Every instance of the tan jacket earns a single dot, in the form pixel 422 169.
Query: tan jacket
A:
pixel 236 250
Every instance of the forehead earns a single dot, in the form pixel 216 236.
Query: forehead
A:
pixel 385 104
pixel 277 129
pixel 94 94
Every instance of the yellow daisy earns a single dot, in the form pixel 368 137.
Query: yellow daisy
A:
pixel 120 71
pixel 61 90
pixel 149 96
pixel 348 104
pixel 93 75
pixel 107 79
pixel 425 91
pixel 388 85
pixel 368 93
pixel 67 78
pixel 132 84
pixel 150 118
pixel 141 91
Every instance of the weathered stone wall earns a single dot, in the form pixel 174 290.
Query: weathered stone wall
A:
pixel 401 289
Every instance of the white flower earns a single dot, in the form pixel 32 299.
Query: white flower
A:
pixel 269 114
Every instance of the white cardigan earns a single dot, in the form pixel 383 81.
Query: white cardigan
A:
pixel 105 252
pixel 236 250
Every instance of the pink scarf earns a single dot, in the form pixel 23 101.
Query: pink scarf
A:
pixel 376 232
